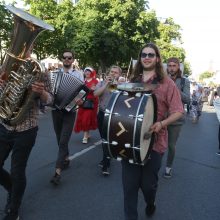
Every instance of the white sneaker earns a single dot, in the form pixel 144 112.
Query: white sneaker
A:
pixel 85 140
pixel 168 173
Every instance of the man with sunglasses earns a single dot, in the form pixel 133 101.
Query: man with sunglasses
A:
pixel 183 84
pixel 63 121
pixel 149 70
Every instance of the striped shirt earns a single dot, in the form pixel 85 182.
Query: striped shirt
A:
pixel 75 73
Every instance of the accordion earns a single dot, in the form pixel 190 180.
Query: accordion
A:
pixel 66 89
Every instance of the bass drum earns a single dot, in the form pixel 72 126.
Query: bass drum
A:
pixel 128 117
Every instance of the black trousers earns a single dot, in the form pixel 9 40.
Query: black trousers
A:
pixel 20 144
pixel 100 119
pixel 63 123
pixel 135 177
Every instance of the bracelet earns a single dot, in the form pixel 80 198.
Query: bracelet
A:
pixel 161 124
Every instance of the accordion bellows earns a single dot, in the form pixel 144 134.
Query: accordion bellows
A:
pixel 65 87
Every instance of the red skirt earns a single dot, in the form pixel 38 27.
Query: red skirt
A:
pixel 86 119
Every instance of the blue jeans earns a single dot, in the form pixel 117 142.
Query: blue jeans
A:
pixel 20 144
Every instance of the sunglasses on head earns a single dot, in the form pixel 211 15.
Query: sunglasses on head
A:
pixel 69 58
pixel 148 55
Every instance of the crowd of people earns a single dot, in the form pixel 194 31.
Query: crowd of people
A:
pixel 172 91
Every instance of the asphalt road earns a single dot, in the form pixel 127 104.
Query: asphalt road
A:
pixel 192 193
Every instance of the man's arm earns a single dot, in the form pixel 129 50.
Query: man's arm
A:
pixel 160 124
pixel 39 88
pixel 100 90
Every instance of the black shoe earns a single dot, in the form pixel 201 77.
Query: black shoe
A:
pixel 7 206
pixel 105 170
pixel 11 215
pixel 150 210
pixel 101 163
pixel 56 179
pixel 66 164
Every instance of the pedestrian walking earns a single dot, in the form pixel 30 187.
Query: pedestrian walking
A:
pixel 19 139
pixel 63 121
pixel 104 91
pixel 216 103
pixel 183 84
pixel 87 114
pixel 148 70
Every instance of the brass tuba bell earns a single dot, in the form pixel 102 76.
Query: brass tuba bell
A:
pixel 20 72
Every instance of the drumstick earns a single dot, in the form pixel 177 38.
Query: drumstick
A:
pixel 147 135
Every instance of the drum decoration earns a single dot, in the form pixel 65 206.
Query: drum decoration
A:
pixel 127 120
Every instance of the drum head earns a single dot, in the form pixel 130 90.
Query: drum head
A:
pixel 148 120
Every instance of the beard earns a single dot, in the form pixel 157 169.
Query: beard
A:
pixel 67 65
pixel 172 74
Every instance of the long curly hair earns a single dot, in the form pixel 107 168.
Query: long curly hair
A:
pixel 137 73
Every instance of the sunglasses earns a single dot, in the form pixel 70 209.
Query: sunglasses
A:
pixel 69 58
pixel 148 55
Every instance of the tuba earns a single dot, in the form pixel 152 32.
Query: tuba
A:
pixel 18 71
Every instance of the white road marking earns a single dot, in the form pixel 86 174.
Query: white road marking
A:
pixel 80 153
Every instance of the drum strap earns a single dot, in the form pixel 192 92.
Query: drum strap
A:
pixel 155 80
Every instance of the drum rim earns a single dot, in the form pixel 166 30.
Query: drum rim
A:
pixel 117 94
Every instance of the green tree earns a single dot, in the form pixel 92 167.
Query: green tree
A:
pixel 170 43
pixel 187 69
pixel 205 75
pixel 170 40
pixel 104 32
pixel 61 17
pixel 6 25
pixel 112 31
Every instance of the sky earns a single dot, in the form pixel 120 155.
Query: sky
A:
pixel 200 24
pixel 200 28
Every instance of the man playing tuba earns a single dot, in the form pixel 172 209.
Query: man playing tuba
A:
pixel 18 131
pixel 20 139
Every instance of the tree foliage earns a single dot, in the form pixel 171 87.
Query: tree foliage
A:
pixel 102 32
pixel 112 31
pixel 187 68
pixel 61 17
pixel 205 75
pixel 170 43
pixel 6 30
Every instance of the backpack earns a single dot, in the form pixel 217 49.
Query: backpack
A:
pixel 182 83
